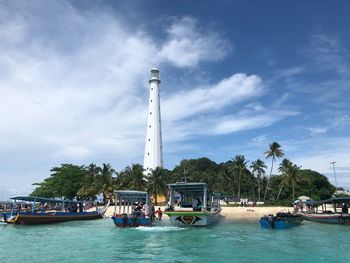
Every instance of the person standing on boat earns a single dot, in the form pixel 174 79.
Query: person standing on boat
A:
pixel 159 214
pixel 345 209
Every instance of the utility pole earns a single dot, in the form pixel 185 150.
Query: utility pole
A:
pixel 335 176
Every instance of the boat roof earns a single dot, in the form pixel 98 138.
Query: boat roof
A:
pixel 131 195
pixel 328 201
pixel 43 199
pixel 188 188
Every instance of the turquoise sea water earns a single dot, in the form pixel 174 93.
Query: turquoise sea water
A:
pixel 227 241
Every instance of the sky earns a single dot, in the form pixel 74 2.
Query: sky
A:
pixel 236 76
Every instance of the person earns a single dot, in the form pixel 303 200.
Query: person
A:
pixel 199 203
pixel 345 209
pixel 153 213
pixel 159 214
pixel 194 203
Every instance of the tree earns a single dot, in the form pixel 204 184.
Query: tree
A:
pixel 157 183
pixel 294 176
pixel 65 181
pixel 90 188
pixel 137 178
pixel 290 172
pixel 238 166
pixel 274 151
pixel 105 181
pixel 258 168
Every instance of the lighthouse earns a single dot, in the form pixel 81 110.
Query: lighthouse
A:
pixel 153 157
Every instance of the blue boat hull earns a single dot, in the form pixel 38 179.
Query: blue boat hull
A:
pixel 281 221
pixel 277 225
pixel 131 222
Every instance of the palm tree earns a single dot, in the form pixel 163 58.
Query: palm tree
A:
pixel 136 176
pixel 238 166
pixel 284 170
pixel 274 151
pixel 291 175
pixel 294 176
pixel 106 181
pixel 258 168
pixel 90 187
pixel 157 183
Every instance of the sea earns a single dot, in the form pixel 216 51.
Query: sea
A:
pixel 226 241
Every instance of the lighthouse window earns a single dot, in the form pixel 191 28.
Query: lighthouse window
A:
pixel 150 113
pixel 151 100
pixel 148 154
pixel 151 88
pixel 149 140
pixel 149 126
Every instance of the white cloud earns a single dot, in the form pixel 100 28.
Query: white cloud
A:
pixel 237 88
pixel 187 46
pixel 328 52
pixel 244 122
pixel 317 130
pixel 74 88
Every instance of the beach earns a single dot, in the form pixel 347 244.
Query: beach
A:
pixel 237 213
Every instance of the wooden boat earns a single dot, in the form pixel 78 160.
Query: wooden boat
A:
pixel 132 209
pixel 318 211
pixel 281 221
pixel 196 206
pixel 47 210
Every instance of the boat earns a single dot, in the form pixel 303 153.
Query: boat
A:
pixel 281 220
pixel 39 210
pixel 196 205
pixel 5 210
pixel 331 211
pixel 132 209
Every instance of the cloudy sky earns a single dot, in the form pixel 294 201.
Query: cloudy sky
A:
pixel 236 75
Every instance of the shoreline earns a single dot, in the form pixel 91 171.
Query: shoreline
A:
pixel 241 213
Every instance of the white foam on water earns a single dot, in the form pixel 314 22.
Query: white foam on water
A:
pixel 159 228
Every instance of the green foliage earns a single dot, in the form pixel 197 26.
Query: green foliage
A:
pixel 229 178
pixel 65 181
pixel 157 182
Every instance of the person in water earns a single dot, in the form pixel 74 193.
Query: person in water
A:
pixel 159 214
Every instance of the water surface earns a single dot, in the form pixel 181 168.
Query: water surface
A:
pixel 227 241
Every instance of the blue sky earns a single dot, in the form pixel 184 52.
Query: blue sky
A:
pixel 236 76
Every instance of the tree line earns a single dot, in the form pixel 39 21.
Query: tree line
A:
pixel 235 178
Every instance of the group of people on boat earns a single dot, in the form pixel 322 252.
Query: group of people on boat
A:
pixel 141 210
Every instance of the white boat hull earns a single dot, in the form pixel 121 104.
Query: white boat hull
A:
pixel 192 218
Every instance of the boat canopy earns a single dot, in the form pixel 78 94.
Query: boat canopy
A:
pixel 193 189
pixel 131 195
pixel 43 199
pixel 328 201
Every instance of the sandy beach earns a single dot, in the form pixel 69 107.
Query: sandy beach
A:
pixel 238 213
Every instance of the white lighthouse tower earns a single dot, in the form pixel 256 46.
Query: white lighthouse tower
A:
pixel 153 148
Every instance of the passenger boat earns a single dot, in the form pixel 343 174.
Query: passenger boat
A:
pixel 132 209
pixel 319 211
pixel 39 210
pixel 196 205
pixel 281 220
